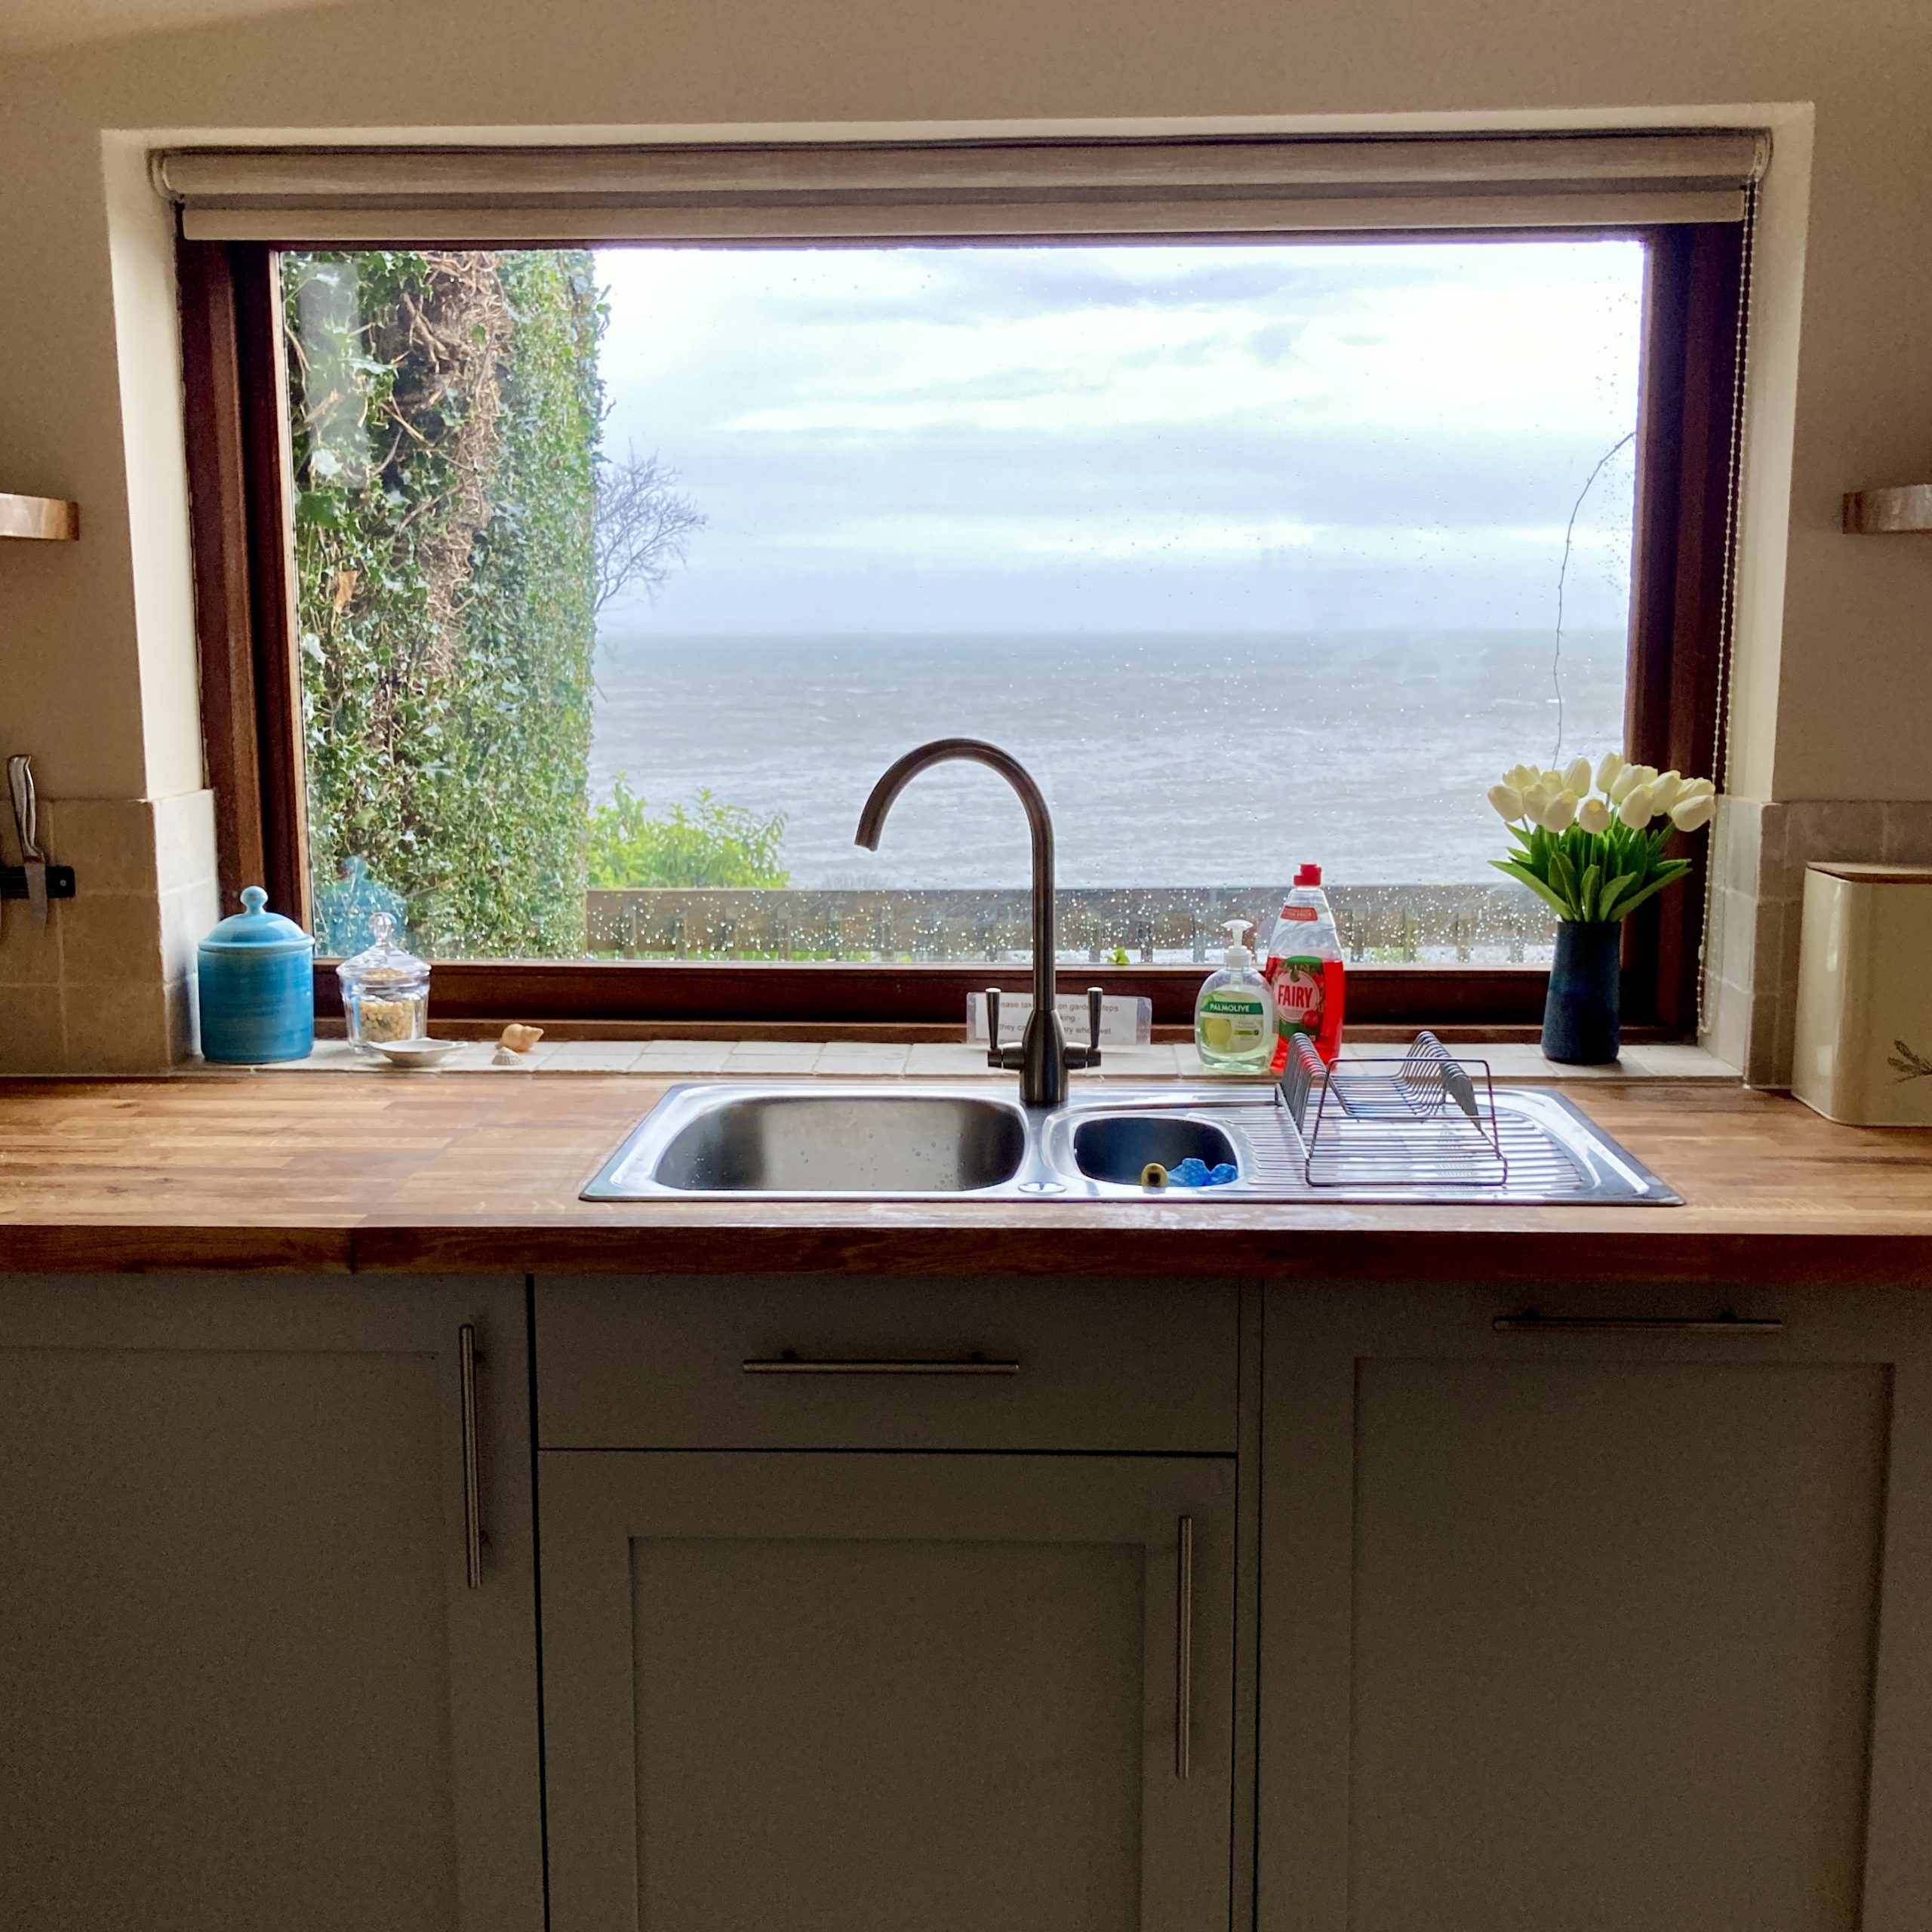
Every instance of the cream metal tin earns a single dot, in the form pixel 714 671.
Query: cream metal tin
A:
pixel 1862 1051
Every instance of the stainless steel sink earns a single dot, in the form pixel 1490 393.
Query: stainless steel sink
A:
pixel 812 1142
pixel 906 1139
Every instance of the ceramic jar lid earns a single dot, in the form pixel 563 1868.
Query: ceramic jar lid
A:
pixel 256 930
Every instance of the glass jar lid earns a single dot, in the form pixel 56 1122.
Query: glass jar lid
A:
pixel 383 962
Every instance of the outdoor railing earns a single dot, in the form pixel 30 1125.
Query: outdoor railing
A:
pixel 1421 924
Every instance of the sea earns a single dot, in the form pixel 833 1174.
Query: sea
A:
pixel 1186 759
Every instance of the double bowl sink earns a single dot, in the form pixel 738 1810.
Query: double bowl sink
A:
pixel 935 1141
pixel 916 1140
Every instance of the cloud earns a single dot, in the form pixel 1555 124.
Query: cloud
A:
pixel 885 438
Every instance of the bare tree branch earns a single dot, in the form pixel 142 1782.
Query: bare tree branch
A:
pixel 643 522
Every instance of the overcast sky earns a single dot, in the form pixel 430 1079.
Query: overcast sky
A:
pixel 1204 439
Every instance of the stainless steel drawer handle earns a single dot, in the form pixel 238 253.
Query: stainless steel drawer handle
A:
pixel 790 1363
pixel 1533 1324
pixel 467 1359
pixel 1184 1648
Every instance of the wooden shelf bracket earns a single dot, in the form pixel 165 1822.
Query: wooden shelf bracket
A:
pixel 1906 510
pixel 43 519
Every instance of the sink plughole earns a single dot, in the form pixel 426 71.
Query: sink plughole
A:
pixel 1118 1147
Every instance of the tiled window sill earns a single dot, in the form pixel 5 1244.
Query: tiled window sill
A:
pixel 949 1060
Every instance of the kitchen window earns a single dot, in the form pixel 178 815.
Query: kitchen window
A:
pixel 565 583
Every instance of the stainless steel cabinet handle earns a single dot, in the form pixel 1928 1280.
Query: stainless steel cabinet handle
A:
pixel 789 1364
pixel 1184 1648
pixel 472 1497
pixel 1635 1324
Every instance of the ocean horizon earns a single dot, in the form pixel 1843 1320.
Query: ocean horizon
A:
pixel 1167 758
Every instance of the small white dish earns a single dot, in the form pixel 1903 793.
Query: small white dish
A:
pixel 414 1053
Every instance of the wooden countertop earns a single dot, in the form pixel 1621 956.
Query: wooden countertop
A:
pixel 449 1173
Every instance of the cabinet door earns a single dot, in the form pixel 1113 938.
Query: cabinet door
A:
pixel 1578 1623
pixel 876 1692
pixel 246 1680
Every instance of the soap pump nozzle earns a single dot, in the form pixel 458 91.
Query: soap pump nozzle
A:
pixel 1238 954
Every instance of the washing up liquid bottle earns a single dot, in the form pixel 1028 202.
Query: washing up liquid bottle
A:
pixel 1305 970
pixel 1232 1030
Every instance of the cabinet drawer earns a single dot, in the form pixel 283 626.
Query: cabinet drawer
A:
pixel 836 1363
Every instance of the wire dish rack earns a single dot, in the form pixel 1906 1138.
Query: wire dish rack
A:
pixel 1425 1120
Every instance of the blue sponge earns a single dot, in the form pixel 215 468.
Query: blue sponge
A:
pixel 1193 1173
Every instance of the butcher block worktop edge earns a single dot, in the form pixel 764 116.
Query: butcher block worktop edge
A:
pixel 420 1174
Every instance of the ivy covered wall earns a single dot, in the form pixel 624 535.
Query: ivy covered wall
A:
pixel 444 408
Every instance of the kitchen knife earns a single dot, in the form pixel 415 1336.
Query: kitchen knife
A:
pixel 20 783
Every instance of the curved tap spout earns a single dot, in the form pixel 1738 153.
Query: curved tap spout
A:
pixel 1043 1055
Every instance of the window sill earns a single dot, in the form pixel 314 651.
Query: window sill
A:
pixel 1512 1061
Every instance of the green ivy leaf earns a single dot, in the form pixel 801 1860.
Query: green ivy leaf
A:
pixel 321 509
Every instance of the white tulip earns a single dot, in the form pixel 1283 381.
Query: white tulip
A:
pixel 1613 763
pixel 1627 780
pixel 1593 815
pixel 1521 778
pixel 1689 814
pixel 1698 788
pixel 1634 807
pixel 1577 776
pixel 1536 802
pixel 1557 814
pixel 1665 790
pixel 1507 800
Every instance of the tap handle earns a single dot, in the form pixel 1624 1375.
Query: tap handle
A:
pixel 992 1026
pixel 1094 996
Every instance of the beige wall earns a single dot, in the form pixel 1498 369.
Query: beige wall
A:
pixel 1834 684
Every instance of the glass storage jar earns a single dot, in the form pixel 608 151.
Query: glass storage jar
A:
pixel 385 990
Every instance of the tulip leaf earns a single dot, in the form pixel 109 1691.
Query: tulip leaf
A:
pixel 1587 900
pixel 1536 885
pixel 1563 877
pixel 1613 890
pixel 1666 876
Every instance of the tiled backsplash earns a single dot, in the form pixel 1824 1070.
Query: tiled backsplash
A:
pixel 108 987
pixel 1751 991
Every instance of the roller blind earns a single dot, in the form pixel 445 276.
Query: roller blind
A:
pixel 870 191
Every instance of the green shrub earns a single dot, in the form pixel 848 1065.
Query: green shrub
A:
pixel 444 408
pixel 711 845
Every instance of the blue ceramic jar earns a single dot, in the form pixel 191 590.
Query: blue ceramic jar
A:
pixel 257 972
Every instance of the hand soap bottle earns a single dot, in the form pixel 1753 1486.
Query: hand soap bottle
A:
pixel 1231 1033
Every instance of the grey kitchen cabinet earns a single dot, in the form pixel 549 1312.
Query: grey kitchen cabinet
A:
pixel 246 1679
pixel 1085 1366
pixel 880 1648
pixel 1576 1624
pixel 876 1691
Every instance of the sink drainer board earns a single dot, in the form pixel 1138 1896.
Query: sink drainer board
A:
pixel 1431 1127
pixel 1425 1127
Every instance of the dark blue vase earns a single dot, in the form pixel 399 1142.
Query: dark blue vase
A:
pixel 1579 1016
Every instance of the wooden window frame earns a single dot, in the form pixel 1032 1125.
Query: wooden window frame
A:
pixel 235 392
